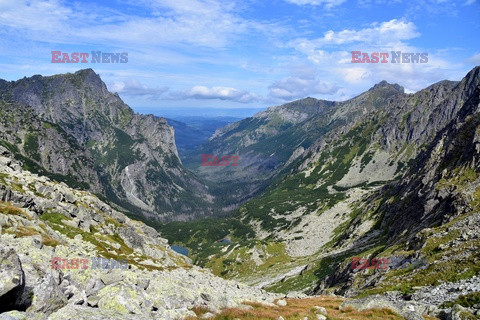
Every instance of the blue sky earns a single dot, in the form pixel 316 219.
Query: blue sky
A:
pixel 241 54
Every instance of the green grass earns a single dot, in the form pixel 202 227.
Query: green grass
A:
pixel 467 301
pixel 202 237
pixel 460 177
pixel 240 264
pixel 120 152
pixel 204 231
pixel 52 217
pixel 103 243
pixel 309 278
pixel 22 231
pixel 458 267
pixel 31 146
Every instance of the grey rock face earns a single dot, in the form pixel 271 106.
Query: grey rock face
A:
pixel 110 278
pixel 12 278
pixel 13 315
pixel 71 128
pixel 47 297
pixel 131 238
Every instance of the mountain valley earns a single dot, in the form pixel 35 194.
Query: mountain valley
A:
pixel 384 175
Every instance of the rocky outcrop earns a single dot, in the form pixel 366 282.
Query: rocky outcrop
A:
pixel 65 254
pixel 426 300
pixel 12 278
pixel 432 213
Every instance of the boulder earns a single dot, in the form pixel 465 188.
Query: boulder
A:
pixel 113 277
pixel 47 297
pixel 131 237
pixel 282 303
pixel 320 310
pixel 12 279
pixel 13 315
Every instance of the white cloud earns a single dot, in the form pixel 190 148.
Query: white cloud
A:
pixel 475 59
pixel 135 88
pixel 34 15
pixel 304 82
pixel 327 3
pixel 356 74
pixel 383 34
pixel 207 23
pixel 221 93
pixel 331 56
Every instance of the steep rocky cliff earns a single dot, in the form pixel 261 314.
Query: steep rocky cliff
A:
pixel 73 129
pixel 432 212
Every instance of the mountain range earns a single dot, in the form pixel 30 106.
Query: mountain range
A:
pixel 319 186
pixel 385 173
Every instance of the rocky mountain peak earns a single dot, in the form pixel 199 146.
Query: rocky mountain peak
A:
pixel 472 79
pixel 106 146
pixel 385 84
pixel 89 77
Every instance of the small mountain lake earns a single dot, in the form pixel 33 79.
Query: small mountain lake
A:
pixel 180 249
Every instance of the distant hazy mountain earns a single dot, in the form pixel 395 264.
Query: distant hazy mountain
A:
pixel 192 131
pixel 179 113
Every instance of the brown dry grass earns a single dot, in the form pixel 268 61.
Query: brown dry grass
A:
pixel 8 208
pixel 299 309
pixel 22 231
